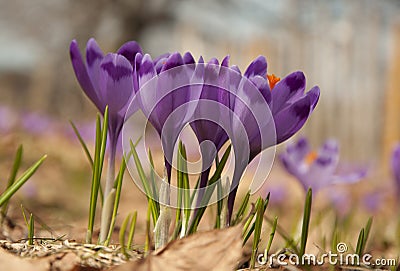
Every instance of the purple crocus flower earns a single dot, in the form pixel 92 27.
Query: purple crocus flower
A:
pixel 317 170
pixel 289 108
pixel 160 90
pixel 207 130
pixel 107 80
pixel 395 163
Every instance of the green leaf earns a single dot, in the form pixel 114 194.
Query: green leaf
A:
pixel 248 221
pixel 271 236
pixel 153 182
pixel 13 175
pixel 20 181
pixel 122 232
pixel 242 208
pixel 143 179
pixel 306 222
pixel 83 144
pixel 257 231
pixel 210 188
pixel 132 230
pixel 31 230
pixel 116 201
pixel 360 243
pixel 94 191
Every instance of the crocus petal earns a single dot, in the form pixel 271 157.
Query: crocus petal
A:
pixel 188 58
pixel 350 178
pixel 225 61
pixel 116 83
pixel 83 76
pixel 94 56
pixel 292 118
pixel 287 91
pixel 173 61
pixel 257 67
pixel 129 51
pixel 263 86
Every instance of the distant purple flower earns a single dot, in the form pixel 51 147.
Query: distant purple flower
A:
pixel 8 119
pixel 36 123
pixel 107 80
pixel 341 201
pixel 372 201
pixel 395 163
pixel 316 170
pixel 278 194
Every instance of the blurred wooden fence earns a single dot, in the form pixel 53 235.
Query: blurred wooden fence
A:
pixel 345 47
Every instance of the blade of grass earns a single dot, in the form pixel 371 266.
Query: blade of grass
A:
pixel 153 182
pixel 11 179
pixel 31 230
pixel 257 231
pixel 242 208
pixel 186 192
pixel 209 191
pixel 83 144
pixel 253 213
pixel 94 192
pixel 290 241
pixel 122 232
pixel 118 189
pixel 20 181
pixel 367 230
pixel 219 206
pixel 148 236
pixel 143 178
pixel 132 230
pixel 24 216
pixel 306 222
pixel 271 236
pixel 360 243
pixel 178 212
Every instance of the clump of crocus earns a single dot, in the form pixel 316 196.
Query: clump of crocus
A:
pixel 108 81
pixel 263 110
pixel 395 163
pixel 317 169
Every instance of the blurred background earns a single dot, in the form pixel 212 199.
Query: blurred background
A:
pixel 350 49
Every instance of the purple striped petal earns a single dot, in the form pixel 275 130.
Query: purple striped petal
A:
pixel 116 83
pixel 287 91
pixel 94 56
pixel 83 76
pixel 188 58
pixel 129 50
pixel 257 67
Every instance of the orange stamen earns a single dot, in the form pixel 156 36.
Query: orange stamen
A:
pixel 273 80
pixel 310 157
